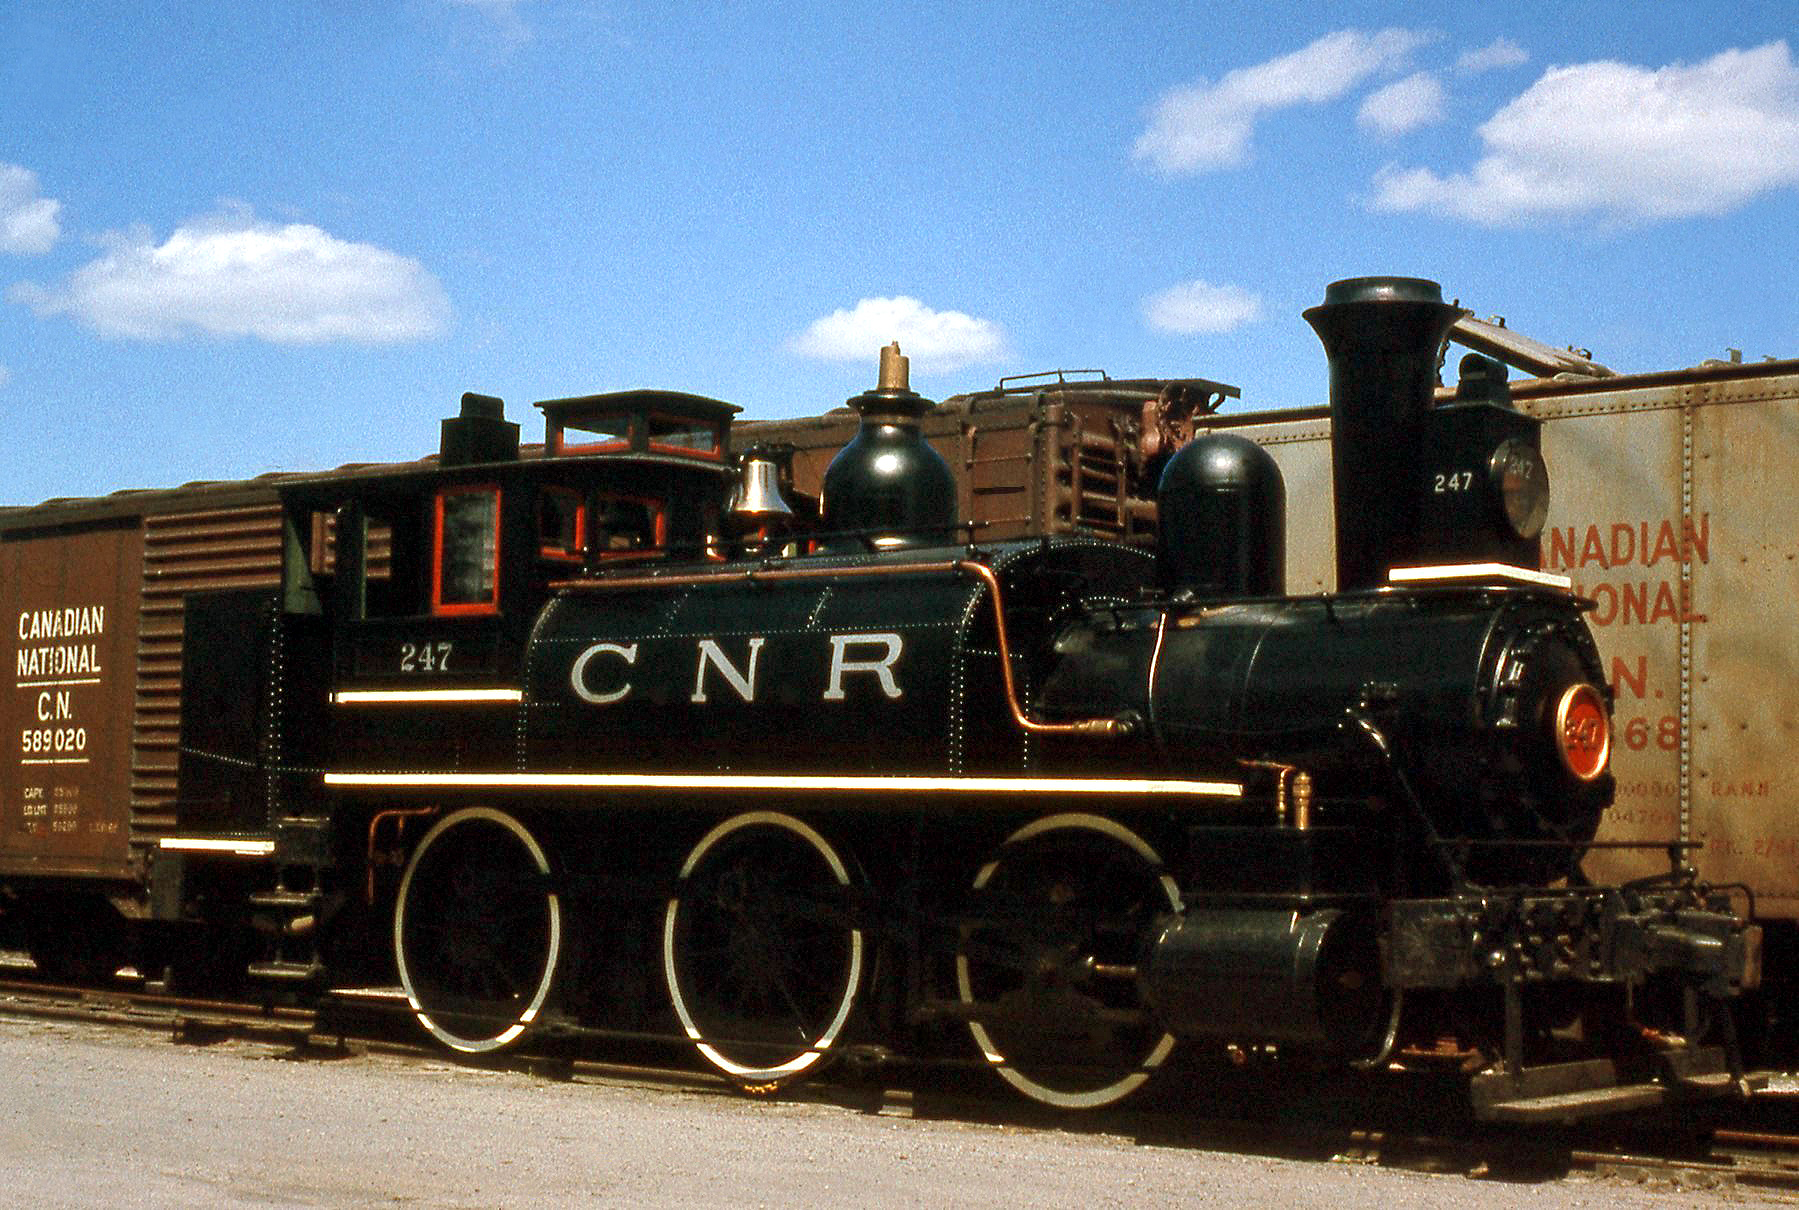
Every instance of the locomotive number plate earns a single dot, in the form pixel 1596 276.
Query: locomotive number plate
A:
pixel 1583 732
pixel 423 655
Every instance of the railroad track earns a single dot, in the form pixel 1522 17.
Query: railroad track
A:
pixel 191 1018
pixel 362 1020
pixel 1747 1149
pixel 1735 1158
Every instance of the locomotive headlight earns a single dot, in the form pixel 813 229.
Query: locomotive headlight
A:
pixel 1521 482
pixel 1583 731
pixel 1483 490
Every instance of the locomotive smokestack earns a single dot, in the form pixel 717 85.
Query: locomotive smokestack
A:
pixel 1382 335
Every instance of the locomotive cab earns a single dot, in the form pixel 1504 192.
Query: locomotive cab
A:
pixel 421 583
pixel 432 577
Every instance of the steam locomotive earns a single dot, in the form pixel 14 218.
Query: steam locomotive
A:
pixel 623 738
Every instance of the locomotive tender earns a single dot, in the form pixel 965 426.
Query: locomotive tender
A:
pixel 598 740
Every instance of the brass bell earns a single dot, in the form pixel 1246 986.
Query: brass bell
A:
pixel 759 500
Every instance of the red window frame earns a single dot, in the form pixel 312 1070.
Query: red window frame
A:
pixel 578 551
pixel 658 526
pixel 714 454
pixel 451 609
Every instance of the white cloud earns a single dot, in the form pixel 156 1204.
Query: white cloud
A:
pixel 230 275
pixel 1625 144
pixel 28 224
pixel 1200 307
pixel 1501 52
pixel 5 376
pixel 933 340
pixel 1402 106
pixel 1207 126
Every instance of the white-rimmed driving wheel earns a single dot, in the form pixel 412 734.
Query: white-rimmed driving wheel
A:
pixel 761 948
pixel 1048 973
pixel 477 930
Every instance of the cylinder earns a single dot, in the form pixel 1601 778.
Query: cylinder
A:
pixel 1268 975
pixel 1382 336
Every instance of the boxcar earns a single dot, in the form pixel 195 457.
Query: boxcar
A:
pixel 93 596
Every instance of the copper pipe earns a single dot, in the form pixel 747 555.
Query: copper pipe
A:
pixel 375 821
pixel 982 572
pixel 1085 726
pixel 1155 668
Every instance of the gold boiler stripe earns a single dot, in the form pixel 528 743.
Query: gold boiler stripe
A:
pixel 1091 786
pixel 360 697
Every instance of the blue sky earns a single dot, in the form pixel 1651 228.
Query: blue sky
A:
pixel 237 237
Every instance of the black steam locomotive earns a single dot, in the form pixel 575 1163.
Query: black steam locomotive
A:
pixel 624 739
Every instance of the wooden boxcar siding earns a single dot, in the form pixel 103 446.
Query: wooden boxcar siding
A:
pixel 1022 466
pixel 160 546
pixel 1677 518
pixel 68 622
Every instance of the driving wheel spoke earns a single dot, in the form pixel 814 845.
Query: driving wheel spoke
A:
pixel 477 930
pixel 761 951
pixel 1062 909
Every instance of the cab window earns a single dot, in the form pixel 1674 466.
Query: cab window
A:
pixel 561 525
pixel 679 435
pixel 466 571
pixel 625 524
pixel 600 435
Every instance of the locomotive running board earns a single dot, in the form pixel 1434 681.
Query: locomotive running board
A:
pixel 1570 1092
pixel 1101 787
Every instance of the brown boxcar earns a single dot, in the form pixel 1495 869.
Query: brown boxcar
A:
pixel 1059 457
pixel 92 600
pixel 91 592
